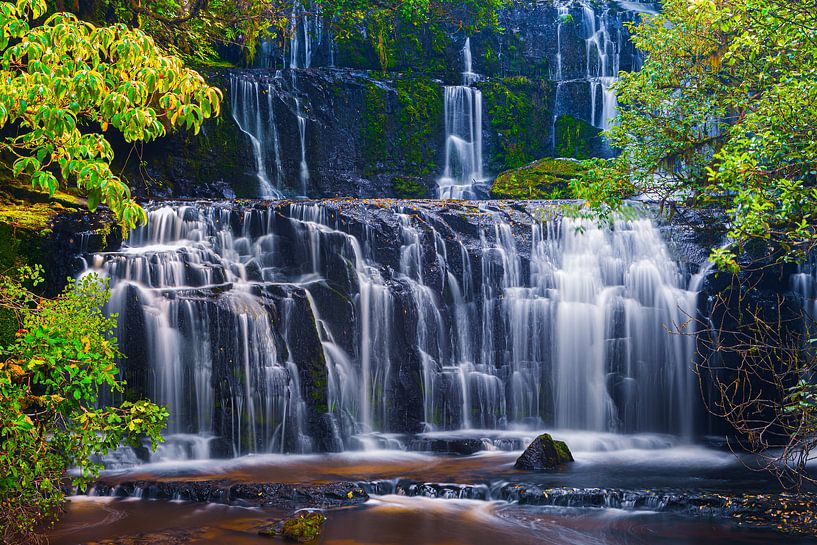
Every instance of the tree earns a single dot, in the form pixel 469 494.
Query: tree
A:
pixel 724 111
pixel 65 82
pixel 50 378
pixel 755 368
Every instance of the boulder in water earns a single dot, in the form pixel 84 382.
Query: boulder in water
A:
pixel 303 527
pixel 544 453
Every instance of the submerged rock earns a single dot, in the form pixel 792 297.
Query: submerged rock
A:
pixel 302 527
pixel 544 453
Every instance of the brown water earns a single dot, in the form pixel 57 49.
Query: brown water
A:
pixel 401 520
pixel 397 520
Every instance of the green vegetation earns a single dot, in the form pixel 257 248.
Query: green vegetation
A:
pixel 520 113
pixel 64 82
pixel 544 179
pixel 406 141
pixel 420 102
pixel 405 33
pixel 301 528
pixel 62 354
pixel 573 136
pixel 409 188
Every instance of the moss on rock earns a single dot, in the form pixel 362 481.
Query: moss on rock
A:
pixel 409 188
pixel 544 453
pixel 573 137
pixel 520 115
pixel 544 179
pixel 402 126
pixel 301 528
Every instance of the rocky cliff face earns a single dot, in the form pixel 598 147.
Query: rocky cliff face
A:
pixel 334 124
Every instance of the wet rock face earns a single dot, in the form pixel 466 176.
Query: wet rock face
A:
pixel 342 127
pixel 544 453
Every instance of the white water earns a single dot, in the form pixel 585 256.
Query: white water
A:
pixel 572 336
pixel 463 135
pixel 246 107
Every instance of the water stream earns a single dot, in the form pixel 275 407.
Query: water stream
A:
pixel 463 135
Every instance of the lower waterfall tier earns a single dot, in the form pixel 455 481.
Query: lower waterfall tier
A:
pixel 308 326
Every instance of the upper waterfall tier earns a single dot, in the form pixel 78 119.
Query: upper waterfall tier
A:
pixel 322 125
pixel 298 326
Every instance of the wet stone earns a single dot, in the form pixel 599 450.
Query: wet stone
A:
pixel 544 453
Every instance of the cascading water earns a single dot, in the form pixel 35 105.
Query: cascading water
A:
pixel 463 172
pixel 602 66
pixel 584 86
pixel 248 113
pixel 307 327
pixel 300 35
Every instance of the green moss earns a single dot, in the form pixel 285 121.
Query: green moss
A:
pixel 519 111
pixel 375 143
pixel 544 179
pixel 420 111
pixel 301 528
pixel 409 188
pixel 509 59
pixel 563 451
pixel 8 326
pixel 573 136
pixel 25 217
pixel 403 119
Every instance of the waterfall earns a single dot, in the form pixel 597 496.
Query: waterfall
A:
pixel 562 10
pixel 248 113
pixel 463 135
pixel 287 327
pixel 602 66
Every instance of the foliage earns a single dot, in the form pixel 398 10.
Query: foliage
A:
pixel 194 30
pixel 405 32
pixel 64 82
pixel 544 179
pixel 419 114
pixel 50 378
pixel 723 112
pixel 405 141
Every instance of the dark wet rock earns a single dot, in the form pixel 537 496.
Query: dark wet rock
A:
pixel 447 446
pixel 301 527
pixel 328 495
pixel 544 453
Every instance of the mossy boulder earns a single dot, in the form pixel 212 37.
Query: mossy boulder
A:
pixel 301 528
pixel 544 453
pixel 544 179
